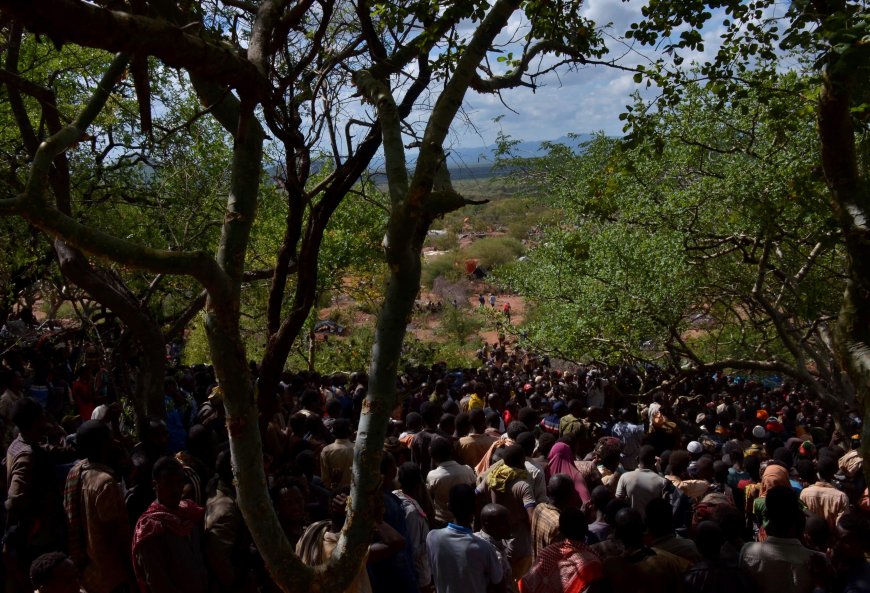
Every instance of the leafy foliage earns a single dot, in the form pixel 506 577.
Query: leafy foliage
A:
pixel 661 245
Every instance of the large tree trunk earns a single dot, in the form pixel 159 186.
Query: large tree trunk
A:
pixel 110 292
pixel 850 199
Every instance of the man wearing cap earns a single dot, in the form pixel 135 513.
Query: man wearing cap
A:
pixel 759 434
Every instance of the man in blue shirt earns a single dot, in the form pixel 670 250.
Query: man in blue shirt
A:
pixel 460 561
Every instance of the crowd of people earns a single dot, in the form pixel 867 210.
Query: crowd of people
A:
pixel 511 476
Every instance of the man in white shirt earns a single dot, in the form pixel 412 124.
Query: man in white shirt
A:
pixel 642 485
pixel 781 562
pixel 447 474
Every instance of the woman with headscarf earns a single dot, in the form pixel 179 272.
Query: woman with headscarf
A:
pixel 774 475
pixel 561 461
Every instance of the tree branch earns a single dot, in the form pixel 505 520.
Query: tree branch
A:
pixel 33 206
pixel 116 31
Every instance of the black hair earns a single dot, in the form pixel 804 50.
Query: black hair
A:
pixel 752 465
pixel 431 413
pixel 462 501
pixel 224 467
pixel 26 412
pixel 91 438
pixel 463 424
pixel 709 539
pixel 601 497
pixel 526 440
pixel 515 429
pixel 528 416
pixel 310 397
pixel 387 462
pixel 514 456
pixel 613 507
pixel 477 418
pixel 679 461
pixel 659 517
pixel 806 469
pixel 647 456
pixel 783 510
pixel 341 428
pixel 784 456
pixel 826 468
pixel 409 476
pixel 42 569
pixel 545 443
pixel 855 524
pixel 560 489
pixel 440 449
pixel 629 527
pixel 414 421
pixel 572 524
pixel 165 466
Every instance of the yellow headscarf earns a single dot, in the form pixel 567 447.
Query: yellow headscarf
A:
pixel 501 475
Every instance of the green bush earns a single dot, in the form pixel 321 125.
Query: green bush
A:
pixel 519 229
pixel 494 251
pixel 336 354
pixel 446 265
pixel 444 242
pixel 458 324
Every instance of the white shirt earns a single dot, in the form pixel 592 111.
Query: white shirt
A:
pixel 779 564
pixel 440 480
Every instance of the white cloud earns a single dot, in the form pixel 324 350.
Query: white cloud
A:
pixel 583 100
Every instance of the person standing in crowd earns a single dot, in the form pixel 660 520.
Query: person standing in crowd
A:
pixel 822 498
pixel 642 485
pixel 447 474
pixel 472 447
pixel 34 500
pixel 227 543
pixel 461 562
pixel 545 519
pixel 507 484
pixel 565 565
pixel 495 529
pixel 167 541
pixel 180 414
pixel 395 570
pixel 781 560
pixel 561 461
pixel 336 459
pixel 98 529
pixel 416 520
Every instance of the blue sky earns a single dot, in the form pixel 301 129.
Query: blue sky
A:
pixel 582 101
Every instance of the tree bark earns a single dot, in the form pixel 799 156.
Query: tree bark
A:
pixel 850 199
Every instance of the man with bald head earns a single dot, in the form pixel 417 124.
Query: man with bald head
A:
pixel 495 529
pixel 507 484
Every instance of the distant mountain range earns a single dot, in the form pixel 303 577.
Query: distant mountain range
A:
pixel 485 155
pixel 476 162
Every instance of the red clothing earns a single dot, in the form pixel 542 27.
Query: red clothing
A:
pixel 83 396
pixel 566 567
pixel 159 519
